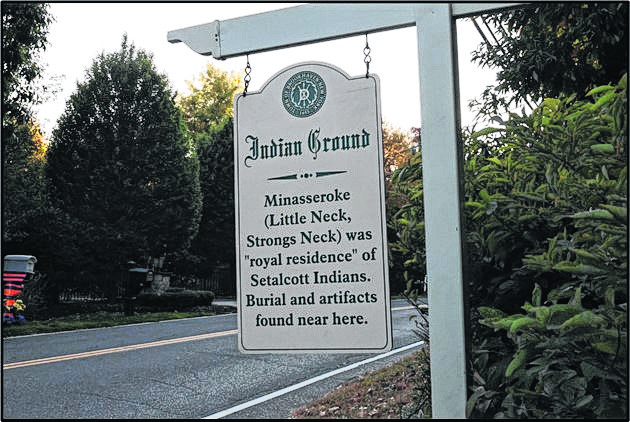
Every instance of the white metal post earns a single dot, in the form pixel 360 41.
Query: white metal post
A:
pixel 441 163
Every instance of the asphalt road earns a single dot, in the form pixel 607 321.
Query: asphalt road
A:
pixel 174 369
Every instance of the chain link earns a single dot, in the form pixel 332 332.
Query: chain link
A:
pixel 367 59
pixel 248 77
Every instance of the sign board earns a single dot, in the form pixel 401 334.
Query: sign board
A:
pixel 312 271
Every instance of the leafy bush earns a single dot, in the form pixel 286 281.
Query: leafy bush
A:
pixel 547 213
pixel 38 290
pixel 407 245
pixel 174 300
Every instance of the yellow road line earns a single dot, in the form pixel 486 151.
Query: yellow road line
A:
pixel 54 359
pixel 61 358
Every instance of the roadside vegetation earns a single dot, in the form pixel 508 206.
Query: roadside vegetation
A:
pixel 147 306
pixel 100 319
pixel 546 221
pixel 548 205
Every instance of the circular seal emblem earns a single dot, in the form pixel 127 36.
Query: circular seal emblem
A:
pixel 304 94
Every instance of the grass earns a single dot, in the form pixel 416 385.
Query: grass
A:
pixel 93 320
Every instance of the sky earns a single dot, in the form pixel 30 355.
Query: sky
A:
pixel 82 31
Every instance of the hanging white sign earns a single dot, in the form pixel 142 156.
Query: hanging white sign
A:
pixel 311 246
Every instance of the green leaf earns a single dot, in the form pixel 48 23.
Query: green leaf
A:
pixel 537 295
pixel 472 401
pixel 605 98
pixel 609 297
pixel 593 214
pixel 599 89
pixel 578 269
pixel 495 160
pixel 501 324
pixel 609 347
pixel 525 323
pixel 474 204
pixel 620 212
pixel 543 314
pixel 585 254
pixel 486 131
pixel 586 319
pixel 614 230
pixel 562 312
pixel 491 313
pixel 577 297
pixel 603 149
pixel 590 371
pixel 517 362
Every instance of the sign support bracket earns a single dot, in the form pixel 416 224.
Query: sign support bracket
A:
pixel 441 156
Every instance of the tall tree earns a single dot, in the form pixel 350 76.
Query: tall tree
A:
pixel 207 110
pixel 208 105
pixel 24 37
pixel 120 159
pixel 23 182
pixel 397 151
pixel 548 49
pixel 24 32
pixel 214 243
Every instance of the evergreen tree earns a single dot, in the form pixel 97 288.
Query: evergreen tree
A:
pixel 215 243
pixel 207 110
pixel 121 161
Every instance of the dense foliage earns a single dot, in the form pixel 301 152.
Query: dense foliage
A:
pixel 208 104
pixel 213 245
pixel 547 220
pixel 121 166
pixel 207 111
pixel 398 151
pixel 547 257
pixel 406 225
pixel 546 217
pixel 173 300
pixel 22 181
pixel 24 37
pixel 549 48
pixel 24 32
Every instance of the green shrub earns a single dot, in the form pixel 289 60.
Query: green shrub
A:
pixel 547 213
pixel 407 245
pixel 174 300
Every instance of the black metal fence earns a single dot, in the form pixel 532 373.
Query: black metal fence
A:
pixel 221 282
pixel 81 295
pixel 84 289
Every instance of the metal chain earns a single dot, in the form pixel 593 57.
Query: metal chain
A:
pixel 367 59
pixel 248 71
